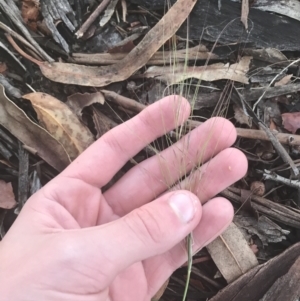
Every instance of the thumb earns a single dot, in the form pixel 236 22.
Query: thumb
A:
pixel 145 232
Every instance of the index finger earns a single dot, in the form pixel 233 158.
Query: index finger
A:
pixel 104 158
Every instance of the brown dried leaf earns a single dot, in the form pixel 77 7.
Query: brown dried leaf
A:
pixel 236 72
pixel 273 126
pixel 137 58
pixel 232 254
pixel 102 123
pixel 291 121
pixel 60 121
pixel 241 117
pixel 7 197
pixel 123 48
pixel 284 81
pixel 77 102
pixel 31 134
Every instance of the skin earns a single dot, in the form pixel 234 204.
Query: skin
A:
pixel 73 242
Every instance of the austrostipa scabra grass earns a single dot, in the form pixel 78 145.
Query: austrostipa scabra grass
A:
pixel 183 156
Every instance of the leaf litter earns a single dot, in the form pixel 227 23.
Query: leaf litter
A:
pixel 61 122
pixel 155 53
pixel 31 134
pixel 137 58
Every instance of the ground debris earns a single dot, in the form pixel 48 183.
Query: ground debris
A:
pixel 72 70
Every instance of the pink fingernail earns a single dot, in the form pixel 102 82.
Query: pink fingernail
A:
pixel 184 206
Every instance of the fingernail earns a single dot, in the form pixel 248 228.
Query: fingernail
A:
pixel 184 206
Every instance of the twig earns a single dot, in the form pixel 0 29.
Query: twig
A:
pixel 17 36
pixel 268 175
pixel 2 230
pixel 280 149
pixel 13 56
pixel 272 138
pixel 10 12
pixel 278 212
pixel 23 181
pixel 123 101
pixel 273 80
pixel 91 18
pixel 18 49
pixel 124 10
pixel 245 13
pixel 292 140
pixel 9 88
pixel 159 58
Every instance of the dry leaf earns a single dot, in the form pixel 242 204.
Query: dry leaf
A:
pixel 31 134
pixel 7 197
pixel 236 72
pixel 262 227
pixel 108 13
pixel 241 117
pixel 254 285
pixel 291 121
pixel 102 123
pixel 273 126
pixel 77 102
pixel 232 254
pixel 60 121
pixel 137 58
pixel 285 80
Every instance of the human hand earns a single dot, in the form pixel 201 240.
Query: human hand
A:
pixel 73 242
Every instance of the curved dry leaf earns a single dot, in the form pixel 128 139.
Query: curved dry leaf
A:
pixel 232 254
pixel 137 58
pixel 236 72
pixel 61 122
pixel 7 197
pixel 78 101
pixel 31 134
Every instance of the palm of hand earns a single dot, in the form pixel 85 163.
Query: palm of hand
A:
pixel 71 242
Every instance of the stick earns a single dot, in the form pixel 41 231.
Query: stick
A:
pixel 268 175
pixel 17 36
pixel 292 140
pixel 91 18
pixel 280 149
pixel 18 49
pixel 10 12
pixel 123 101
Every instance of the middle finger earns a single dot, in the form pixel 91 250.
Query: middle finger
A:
pixel 149 179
